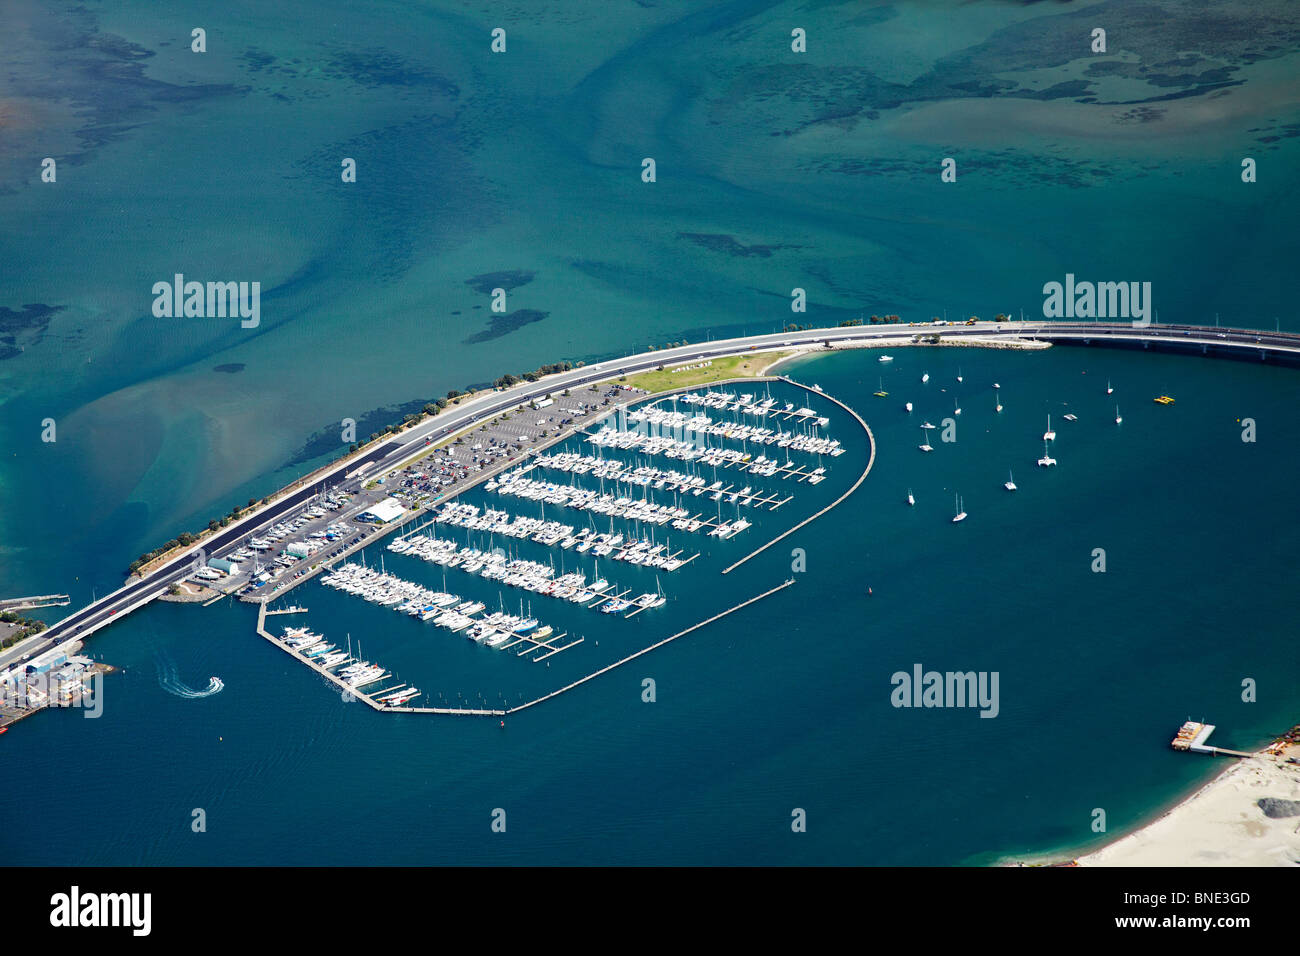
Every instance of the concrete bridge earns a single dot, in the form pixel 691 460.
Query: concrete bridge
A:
pixel 1253 344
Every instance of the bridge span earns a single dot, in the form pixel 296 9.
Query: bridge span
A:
pixel 1259 345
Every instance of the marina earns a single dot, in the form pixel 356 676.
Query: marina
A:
pixel 514 334
pixel 353 675
pixel 632 510
pixel 535 576
pixel 496 629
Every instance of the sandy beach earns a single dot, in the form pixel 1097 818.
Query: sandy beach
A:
pixel 1223 823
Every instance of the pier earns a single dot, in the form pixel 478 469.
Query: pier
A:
pixel 1191 738
pixel 287 610
pixel 369 699
pixel 333 678
pixel 35 601
pixel 647 650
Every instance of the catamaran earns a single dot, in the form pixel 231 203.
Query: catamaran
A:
pixel 881 393
pixel 1047 460
pixel 1049 435
pixel 961 513
pixel 1010 483
pixel 927 446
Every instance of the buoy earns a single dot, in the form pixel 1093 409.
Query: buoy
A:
pixel 503 723
pixel 868 590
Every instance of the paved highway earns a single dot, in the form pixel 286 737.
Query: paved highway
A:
pixel 457 417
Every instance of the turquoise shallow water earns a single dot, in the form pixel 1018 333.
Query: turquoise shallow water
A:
pixel 773 172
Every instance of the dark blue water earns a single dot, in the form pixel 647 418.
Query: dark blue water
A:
pixel 784 705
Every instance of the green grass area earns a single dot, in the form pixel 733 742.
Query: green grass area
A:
pixel 736 366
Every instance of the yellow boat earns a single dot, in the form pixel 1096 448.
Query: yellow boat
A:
pixel 1164 400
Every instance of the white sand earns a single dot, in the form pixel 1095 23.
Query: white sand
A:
pixel 1222 824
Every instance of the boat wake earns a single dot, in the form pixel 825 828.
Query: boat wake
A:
pixel 169 681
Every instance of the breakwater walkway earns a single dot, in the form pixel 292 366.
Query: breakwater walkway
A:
pixel 871 460
pixel 647 650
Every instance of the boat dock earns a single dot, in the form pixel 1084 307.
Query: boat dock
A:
pixel 329 675
pixel 871 460
pixel 35 601
pixel 296 609
pixel 354 691
pixel 1192 735
pixel 647 650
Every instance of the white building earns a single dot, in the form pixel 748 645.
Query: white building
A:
pixel 387 510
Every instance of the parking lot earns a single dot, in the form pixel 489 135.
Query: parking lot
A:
pixel 330 526
pixel 502 440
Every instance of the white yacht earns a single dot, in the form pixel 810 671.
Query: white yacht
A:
pixel 1118 418
pixel 910 500
pixel 961 513
pixel 886 358
pixel 908 406
pixel 925 377
pixel 1109 390
pixel 1010 483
